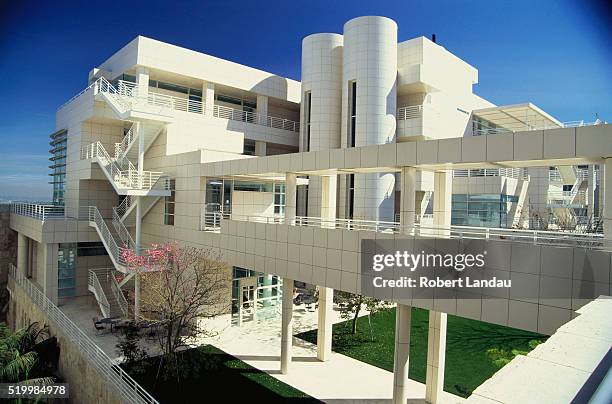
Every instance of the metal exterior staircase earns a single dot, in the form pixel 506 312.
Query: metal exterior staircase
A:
pixel 128 181
pixel 126 211
pixel 104 286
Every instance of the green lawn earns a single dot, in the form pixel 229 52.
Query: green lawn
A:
pixel 215 376
pixel 467 341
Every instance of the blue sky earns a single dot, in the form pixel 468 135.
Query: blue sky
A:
pixel 556 54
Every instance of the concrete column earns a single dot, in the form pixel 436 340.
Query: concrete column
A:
pixel 590 196
pixel 262 105
pixel 260 148
pixel 324 330
pixel 208 98
pixel 142 81
pixel 401 354
pixel 329 186
pixel 407 199
pixel 290 197
pixel 22 253
pixel 606 181
pixel 436 354
pixel 287 326
pixel 443 192
pixel 141 147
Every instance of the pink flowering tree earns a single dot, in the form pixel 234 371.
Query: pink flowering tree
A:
pixel 179 285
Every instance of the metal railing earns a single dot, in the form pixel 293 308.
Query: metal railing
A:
pixel 93 215
pixel 516 173
pixel 38 211
pixel 96 288
pixel 119 380
pixel 130 178
pixel 220 111
pixel 538 237
pixel 534 126
pixel 555 175
pixel 565 197
pixel 544 237
pixel 122 231
pixel 116 289
pixel 184 104
pixel 409 112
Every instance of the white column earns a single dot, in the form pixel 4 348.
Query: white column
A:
pixel 401 354
pixel 290 197
pixel 260 148
pixel 407 199
pixel 329 186
pixel 443 192
pixel 436 354
pixel 324 330
pixel 138 242
pixel 208 97
pixel 606 180
pixel 262 105
pixel 142 81
pixel 22 253
pixel 287 325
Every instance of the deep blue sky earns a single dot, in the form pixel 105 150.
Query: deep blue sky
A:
pixel 556 54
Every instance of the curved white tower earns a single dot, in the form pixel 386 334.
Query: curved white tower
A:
pixel 369 100
pixel 321 107
pixel 370 68
pixel 321 92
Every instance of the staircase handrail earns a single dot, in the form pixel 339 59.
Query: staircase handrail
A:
pixel 92 214
pixel 94 282
pixel 123 304
pixel 122 231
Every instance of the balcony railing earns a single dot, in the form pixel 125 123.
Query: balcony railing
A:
pixel 409 112
pixel 38 211
pixel 233 114
pixel 120 381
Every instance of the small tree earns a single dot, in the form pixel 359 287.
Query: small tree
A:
pixel 351 304
pixel 179 285
pixel 129 345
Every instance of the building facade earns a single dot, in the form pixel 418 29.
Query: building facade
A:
pixel 381 139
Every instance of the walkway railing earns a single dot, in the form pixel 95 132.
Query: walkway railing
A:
pixel 212 222
pixel 38 211
pixel 127 388
pixel 537 126
pixel 516 173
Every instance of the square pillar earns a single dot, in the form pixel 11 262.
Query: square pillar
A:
pixel 329 186
pixel 142 81
pixel 290 197
pixel 260 148
pixel 401 353
pixel 262 105
pixel 208 98
pixel 407 199
pixel 287 325
pixel 22 253
pixel 606 181
pixel 443 192
pixel 324 325
pixel 436 355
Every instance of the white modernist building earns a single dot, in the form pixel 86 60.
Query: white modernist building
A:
pixel 380 140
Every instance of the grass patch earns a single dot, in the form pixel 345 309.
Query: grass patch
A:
pixel 214 376
pixel 467 342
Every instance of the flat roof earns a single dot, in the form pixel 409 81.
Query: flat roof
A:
pixel 518 117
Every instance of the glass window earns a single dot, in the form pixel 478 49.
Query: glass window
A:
pixel 248 147
pixel 66 269
pixel 279 199
pixel 169 205
pixel 308 98
pixel 352 112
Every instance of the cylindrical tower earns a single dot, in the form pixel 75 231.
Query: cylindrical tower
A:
pixel 321 107
pixel 369 99
pixel 321 92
